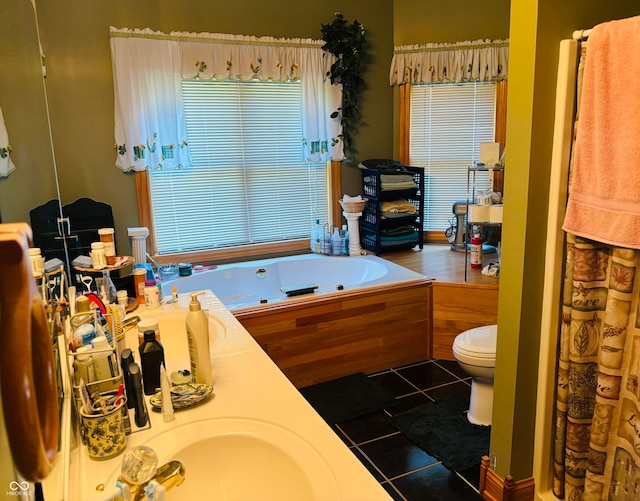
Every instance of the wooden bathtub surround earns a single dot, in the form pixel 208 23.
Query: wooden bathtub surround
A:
pixel 494 488
pixel 319 338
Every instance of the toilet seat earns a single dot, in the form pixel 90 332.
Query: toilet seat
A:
pixel 477 346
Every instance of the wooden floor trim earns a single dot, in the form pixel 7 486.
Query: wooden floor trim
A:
pixel 494 488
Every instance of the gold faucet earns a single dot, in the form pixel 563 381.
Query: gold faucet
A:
pixel 168 475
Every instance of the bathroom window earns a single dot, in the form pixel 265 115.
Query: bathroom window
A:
pixel 447 124
pixel 248 184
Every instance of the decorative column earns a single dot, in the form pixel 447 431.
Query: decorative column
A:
pixel 352 211
pixel 138 238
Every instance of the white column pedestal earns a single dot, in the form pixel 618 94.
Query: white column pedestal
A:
pixel 354 232
pixel 138 238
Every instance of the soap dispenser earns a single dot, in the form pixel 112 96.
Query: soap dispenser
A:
pixel 198 336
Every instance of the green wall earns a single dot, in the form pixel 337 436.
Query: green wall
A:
pixel 75 40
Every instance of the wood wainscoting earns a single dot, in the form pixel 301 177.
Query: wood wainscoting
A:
pixel 457 308
pixel 461 300
pixel 319 338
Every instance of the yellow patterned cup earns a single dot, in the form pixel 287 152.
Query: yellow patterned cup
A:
pixel 104 433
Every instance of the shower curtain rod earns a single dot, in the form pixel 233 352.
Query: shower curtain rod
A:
pixel 581 34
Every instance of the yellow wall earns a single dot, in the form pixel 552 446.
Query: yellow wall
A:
pixel 536 30
pixel 75 40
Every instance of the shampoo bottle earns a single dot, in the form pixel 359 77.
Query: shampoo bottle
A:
pixel 345 241
pixel 316 237
pixel 198 336
pixel 151 358
pixel 336 242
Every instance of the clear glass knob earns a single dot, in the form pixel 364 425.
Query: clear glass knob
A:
pixel 139 465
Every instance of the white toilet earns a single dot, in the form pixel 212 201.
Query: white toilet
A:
pixel 475 351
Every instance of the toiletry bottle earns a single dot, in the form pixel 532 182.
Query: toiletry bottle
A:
pixel 316 237
pixel 101 326
pixel 103 361
pixel 198 336
pixel 126 359
pixel 151 358
pixel 82 304
pixel 83 365
pixel 345 240
pixel 151 295
pixel 167 404
pixel 135 389
pixel 326 242
pixel 336 242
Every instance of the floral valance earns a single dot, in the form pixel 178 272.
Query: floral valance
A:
pixel 149 67
pixel 239 57
pixel 480 60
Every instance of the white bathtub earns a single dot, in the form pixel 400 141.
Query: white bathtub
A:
pixel 249 284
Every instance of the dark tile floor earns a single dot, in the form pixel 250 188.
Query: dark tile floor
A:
pixel 407 472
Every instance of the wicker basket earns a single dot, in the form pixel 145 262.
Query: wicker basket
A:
pixel 353 205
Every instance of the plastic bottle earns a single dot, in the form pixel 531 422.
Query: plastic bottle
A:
pixel 198 336
pixel 151 297
pixel 345 240
pixel 316 237
pixel 336 242
pixel 135 389
pixel 83 366
pixel 126 359
pixel 326 242
pixel 106 237
pixel 151 358
pixel 167 404
pixel 98 257
pixel 139 277
pixel 476 251
pixel 103 361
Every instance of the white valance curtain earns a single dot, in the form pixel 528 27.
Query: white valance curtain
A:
pixel 149 67
pixel 6 164
pixel 480 60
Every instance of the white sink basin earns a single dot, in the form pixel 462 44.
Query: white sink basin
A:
pixel 234 459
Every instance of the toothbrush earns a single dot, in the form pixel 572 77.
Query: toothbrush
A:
pixel 87 404
pixel 119 396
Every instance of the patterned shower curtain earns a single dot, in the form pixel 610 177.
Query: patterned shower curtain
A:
pixel 597 436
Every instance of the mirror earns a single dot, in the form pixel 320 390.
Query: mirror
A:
pixel 23 102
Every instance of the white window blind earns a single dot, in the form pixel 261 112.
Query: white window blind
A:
pixel 248 183
pixel 448 123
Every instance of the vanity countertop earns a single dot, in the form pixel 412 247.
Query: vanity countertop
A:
pixel 247 385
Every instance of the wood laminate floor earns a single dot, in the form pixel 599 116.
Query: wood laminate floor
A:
pixel 439 262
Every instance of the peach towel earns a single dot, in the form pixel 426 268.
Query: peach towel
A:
pixel 604 193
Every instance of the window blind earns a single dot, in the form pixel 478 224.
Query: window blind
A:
pixel 247 183
pixel 448 122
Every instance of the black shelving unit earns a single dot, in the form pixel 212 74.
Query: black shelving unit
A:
pixel 373 225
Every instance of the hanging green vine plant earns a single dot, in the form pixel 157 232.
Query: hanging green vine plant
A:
pixel 347 42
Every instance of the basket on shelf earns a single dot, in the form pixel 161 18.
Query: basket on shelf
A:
pixel 351 205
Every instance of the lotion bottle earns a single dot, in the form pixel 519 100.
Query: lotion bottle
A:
pixel 197 325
